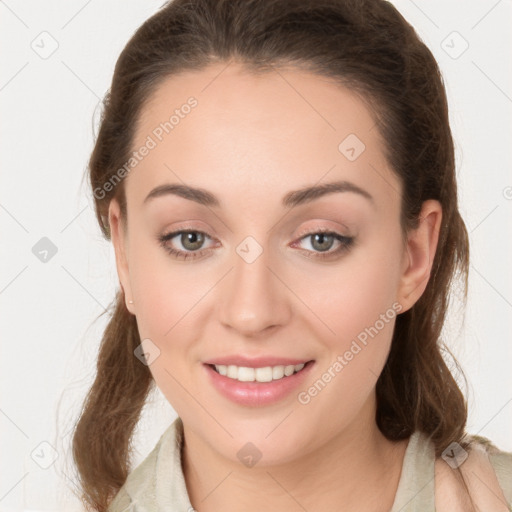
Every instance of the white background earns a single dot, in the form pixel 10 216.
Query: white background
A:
pixel 48 310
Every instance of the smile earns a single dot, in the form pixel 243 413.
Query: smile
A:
pixel 263 374
pixel 257 386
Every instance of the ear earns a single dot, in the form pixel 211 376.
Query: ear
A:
pixel 419 254
pixel 118 236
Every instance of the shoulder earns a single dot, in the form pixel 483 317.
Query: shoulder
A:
pixel 140 481
pixel 122 502
pixel 478 476
pixel 157 483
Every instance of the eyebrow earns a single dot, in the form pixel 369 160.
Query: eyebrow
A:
pixel 290 200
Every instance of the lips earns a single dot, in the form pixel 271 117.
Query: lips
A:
pixel 257 393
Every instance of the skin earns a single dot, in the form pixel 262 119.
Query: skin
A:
pixel 251 140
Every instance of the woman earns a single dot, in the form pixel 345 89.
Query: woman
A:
pixel 277 178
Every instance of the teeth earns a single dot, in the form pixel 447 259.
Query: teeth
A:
pixel 277 372
pixel 265 374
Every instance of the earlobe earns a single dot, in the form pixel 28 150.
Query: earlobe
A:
pixel 419 254
pixel 118 237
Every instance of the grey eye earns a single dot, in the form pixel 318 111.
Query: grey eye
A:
pixel 322 241
pixel 192 240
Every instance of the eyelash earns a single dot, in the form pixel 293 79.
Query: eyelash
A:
pixel 345 241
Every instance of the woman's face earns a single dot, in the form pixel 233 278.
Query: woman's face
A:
pixel 261 286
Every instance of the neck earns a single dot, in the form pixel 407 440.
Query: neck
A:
pixel 355 460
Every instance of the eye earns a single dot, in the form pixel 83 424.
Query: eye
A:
pixel 322 240
pixel 190 240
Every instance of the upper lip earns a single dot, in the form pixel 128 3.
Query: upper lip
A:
pixel 255 362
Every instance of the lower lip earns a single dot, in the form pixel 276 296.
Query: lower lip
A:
pixel 254 394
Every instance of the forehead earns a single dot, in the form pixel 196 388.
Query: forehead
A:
pixel 275 131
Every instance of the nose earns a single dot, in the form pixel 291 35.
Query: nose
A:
pixel 254 300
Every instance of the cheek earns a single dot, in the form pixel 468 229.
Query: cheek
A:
pixel 167 307
pixel 352 295
pixel 164 303
pixel 357 306
pixel 167 290
pixel 363 324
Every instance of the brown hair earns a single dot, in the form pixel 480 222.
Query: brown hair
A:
pixel 365 45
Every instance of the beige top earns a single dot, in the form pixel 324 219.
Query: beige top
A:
pixel 158 484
